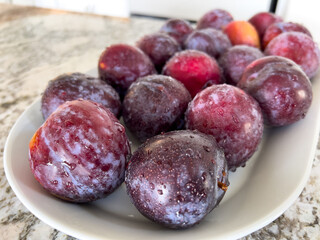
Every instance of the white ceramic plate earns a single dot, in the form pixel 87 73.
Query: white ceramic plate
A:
pixel 257 195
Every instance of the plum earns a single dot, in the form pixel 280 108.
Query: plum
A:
pixel 298 47
pixel 280 86
pixel 216 18
pixel 179 29
pixel 154 104
pixel 242 32
pixel 177 178
pixel 159 47
pixel 195 69
pixel 121 64
pixel 211 41
pixel 232 116
pixel 261 21
pixel 277 28
pixel 67 87
pixel 234 61
pixel 79 154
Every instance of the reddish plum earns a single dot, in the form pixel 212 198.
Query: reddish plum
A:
pixel 280 86
pixel 235 60
pixel 177 178
pixel 179 29
pixel 73 86
pixel 261 21
pixel 80 152
pixel 298 47
pixel 277 28
pixel 121 64
pixel 230 115
pixel 216 18
pixel 211 41
pixel 195 69
pixel 159 47
pixel 154 104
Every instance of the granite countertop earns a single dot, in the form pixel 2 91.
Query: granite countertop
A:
pixel 36 45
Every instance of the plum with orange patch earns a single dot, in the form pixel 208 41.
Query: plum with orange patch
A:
pixel 242 32
pixel 80 152
pixel 121 64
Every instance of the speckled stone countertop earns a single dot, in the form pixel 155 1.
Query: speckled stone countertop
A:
pixel 36 45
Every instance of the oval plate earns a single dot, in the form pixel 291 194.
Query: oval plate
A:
pixel 258 193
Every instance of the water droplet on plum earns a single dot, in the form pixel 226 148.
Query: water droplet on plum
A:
pixel 203 176
pixel 69 184
pixel 206 148
pixel 180 198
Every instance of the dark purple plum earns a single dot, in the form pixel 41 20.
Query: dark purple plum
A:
pixel 177 178
pixel 68 87
pixel 159 47
pixel 216 18
pixel 280 86
pixel 230 115
pixel 280 27
pixel 154 104
pixel 79 154
pixel 261 21
pixel 234 61
pixel 211 41
pixel 179 29
pixel 121 64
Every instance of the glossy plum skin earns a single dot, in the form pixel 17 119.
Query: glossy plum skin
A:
pixel 159 47
pixel 298 47
pixel 234 61
pixel 154 104
pixel 79 154
pixel 261 21
pixel 280 86
pixel 216 18
pixel 121 64
pixel 179 29
pixel 177 178
pixel 194 69
pixel 277 28
pixel 68 87
pixel 211 41
pixel 230 115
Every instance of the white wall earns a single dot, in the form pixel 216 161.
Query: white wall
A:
pixel 188 9
pixel 193 10
pixel 306 12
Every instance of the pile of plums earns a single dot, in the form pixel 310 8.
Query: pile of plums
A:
pixel 197 98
